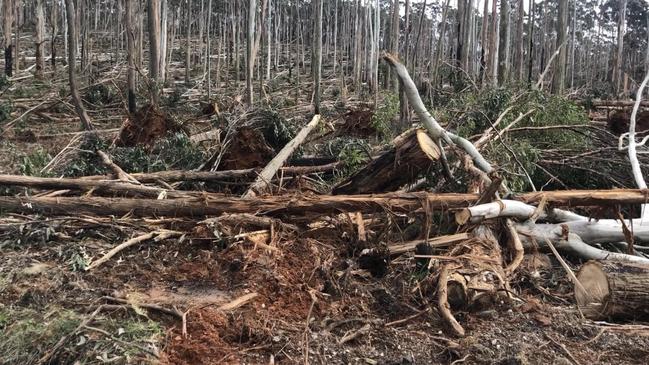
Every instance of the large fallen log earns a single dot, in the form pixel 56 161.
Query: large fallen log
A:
pixel 618 290
pixel 400 165
pixel 201 204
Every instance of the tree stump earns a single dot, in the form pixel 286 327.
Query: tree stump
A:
pixel 613 290
pixel 400 165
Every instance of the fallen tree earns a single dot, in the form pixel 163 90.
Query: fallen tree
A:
pixel 203 204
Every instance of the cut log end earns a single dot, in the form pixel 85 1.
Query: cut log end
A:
pixel 613 290
pixel 462 216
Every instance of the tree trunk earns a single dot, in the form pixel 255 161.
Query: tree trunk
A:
pixel 619 64
pixel 559 76
pixel 154 48
pixel 402 164
pixel 7 24
pixel 164 35
pixel 503 48
pixel 530 50
pixel 250 39
pixel 54 32
pixel 72 55
pixel 188 45
pixel 613 290
pixel 317 56
pixel 208 204
pixel 40 39
pixel 130 54
pixel 518 50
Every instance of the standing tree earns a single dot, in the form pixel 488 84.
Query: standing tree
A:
pixel 559 76
pixel 503 46
pixel 72 56
pixel 317 54
pixel 7 21
pixel 40 38
pixel 618 71
pixel 154 47
pixel 250 39
pixel 54 21
pixel 130 54
pixel 188 46
pixel 518 50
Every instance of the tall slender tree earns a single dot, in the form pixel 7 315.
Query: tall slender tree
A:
pixel 317 54
pixel 250 39
pixel 130 55
pixel 7 21
pixel 72 56
pixel 154 47
pixel 40 38
pixel 559 76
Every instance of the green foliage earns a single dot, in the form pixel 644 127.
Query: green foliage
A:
pixel 79 260
pixel 519 151
pixel 352 152
pixel 173 152
pixel 383 117
pixel 277 132
pixel 33 163
pixel 4 82
pixel 87 162
pixel 5 111
pixel 175 97
pixel 98 94
pixel 29 334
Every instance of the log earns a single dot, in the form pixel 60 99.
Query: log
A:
pixel 614 290
pixel 442 241
pixel 81 184
pixel 399 166
pixel 617 103
pixel 202 204
pixel 217 176
pixel 266 175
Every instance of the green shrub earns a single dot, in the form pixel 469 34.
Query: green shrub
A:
pixel 33 163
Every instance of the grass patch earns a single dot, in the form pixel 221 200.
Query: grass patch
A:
pixel 28 334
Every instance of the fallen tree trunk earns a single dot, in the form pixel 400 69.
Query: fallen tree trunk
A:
pixel 617 290
pixel 201 203
pixel 398 166
pixel 265 176
pixel 217 176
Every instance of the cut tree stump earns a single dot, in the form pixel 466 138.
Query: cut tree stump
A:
pixel 614 290
pixel 400 165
